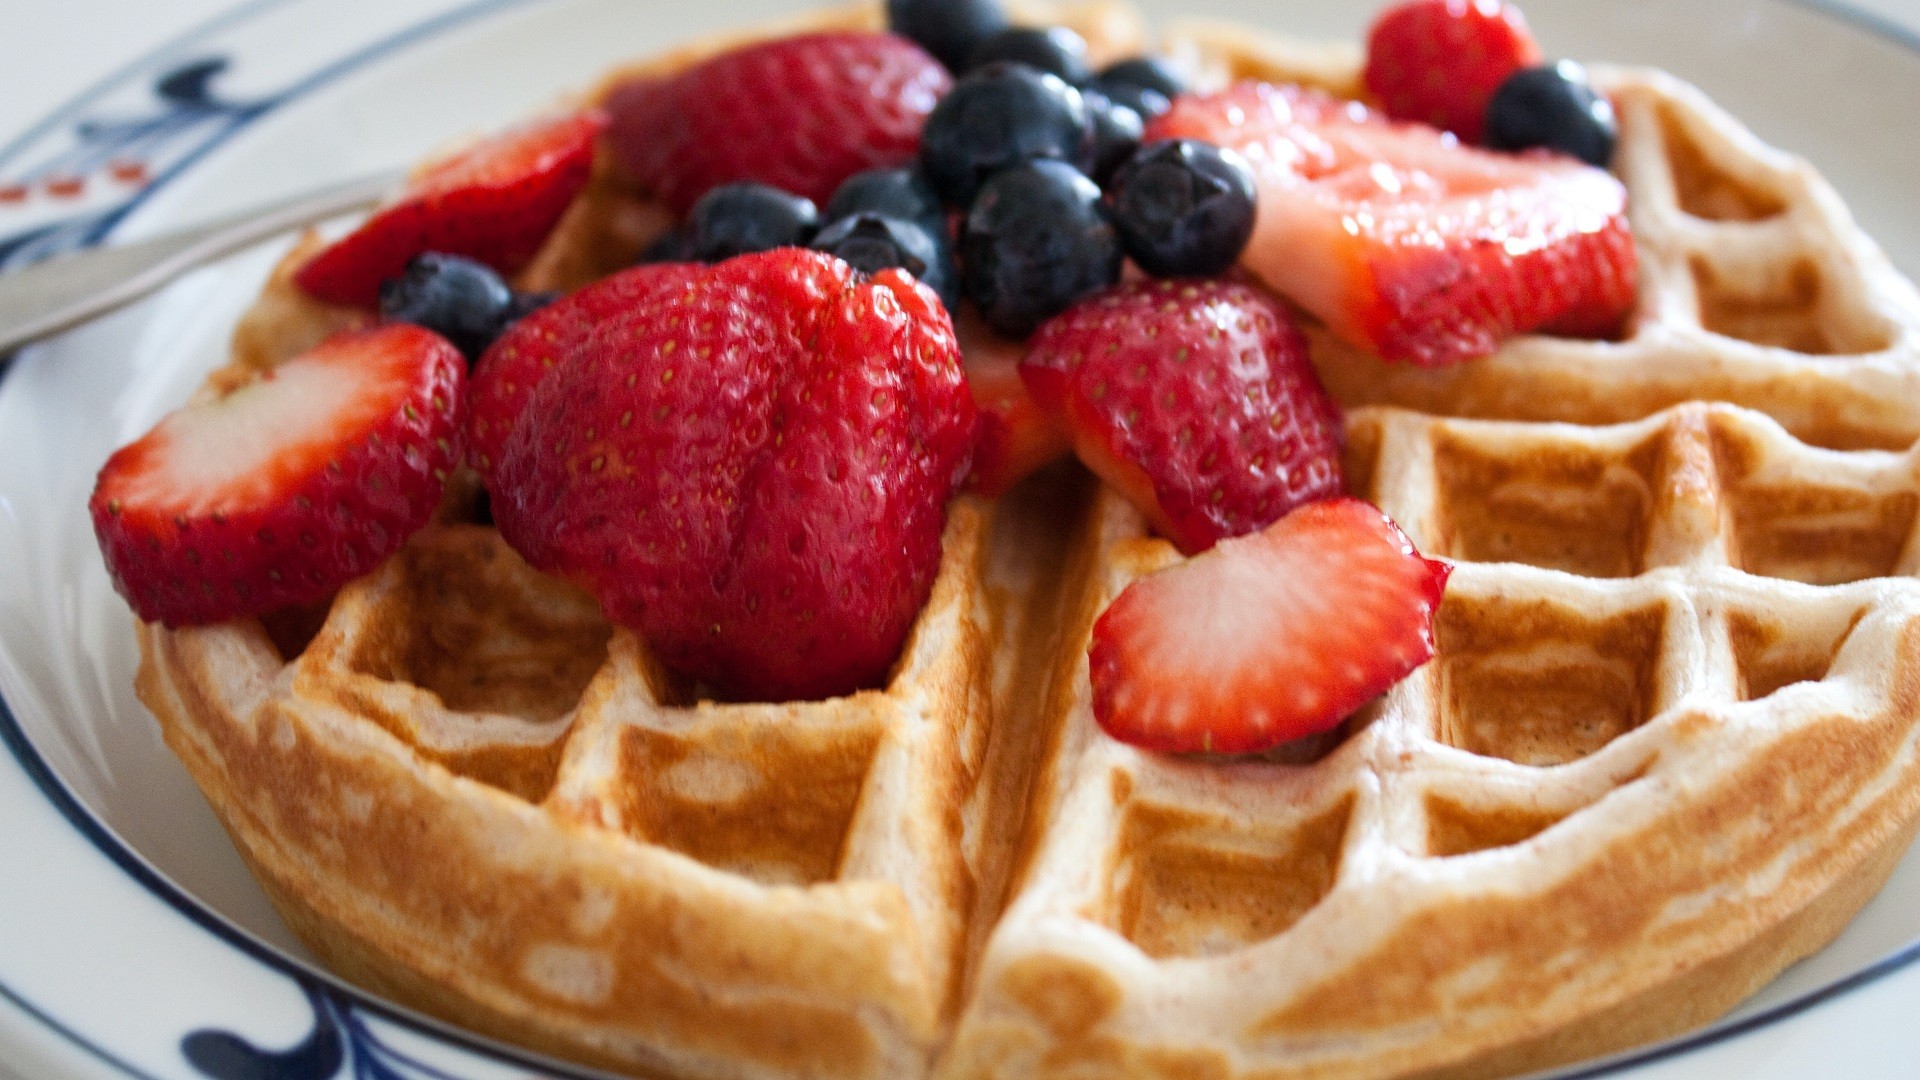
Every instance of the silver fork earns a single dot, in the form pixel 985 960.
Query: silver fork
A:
pixel 66 290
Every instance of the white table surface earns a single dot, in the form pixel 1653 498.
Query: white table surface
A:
pixel 51 50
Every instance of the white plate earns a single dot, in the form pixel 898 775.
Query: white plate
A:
pixel 133 942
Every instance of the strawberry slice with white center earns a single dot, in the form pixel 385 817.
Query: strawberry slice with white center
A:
pixel 287 487
pixel 1014 436
pixel 496 202
pixel 1409 244
pixel 1266 638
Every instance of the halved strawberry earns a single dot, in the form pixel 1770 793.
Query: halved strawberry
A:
pixel 287 487
pixel 1266 638
pixel 505 376
pixel 1407 243
pixel 1195 399
pixel 1439 61
pixel 495 202
pixel 1014 436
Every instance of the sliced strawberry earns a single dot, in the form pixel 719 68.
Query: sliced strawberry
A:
pixel 1404 242
pixel 1195 399
pixel 752 471
pixel 1266 638
pixel 1439 61
pixel 495 202
pixel 799 113
pixel 287 487
pixel 1014 437
pixel 505 376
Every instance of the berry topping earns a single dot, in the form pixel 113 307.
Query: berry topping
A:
pixel 1014 437
pixel 1183 208
pixel 898 193
pixel 998 116
pixel 1196 400
pixel 457 298
pixel 669 246
pixel 751 469
pixel 1055 50
pixel 1266 638
pixel 507 374
pixel 871 243
pixel 1145 84
pixel 1439 61
pixel 799 113
pixel 284 489
pixel 495 202
pixel 1403 241
pixel 1036 240
pixel 949 29
pixel 742 218
pixel 1556 108
pixel 1116 133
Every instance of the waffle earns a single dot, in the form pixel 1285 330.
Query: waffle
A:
pixel 1667 744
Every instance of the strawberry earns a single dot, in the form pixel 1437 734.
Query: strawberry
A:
pixel 1266 638
pixel 751 470
pixel 495 202
pixel 1439 61
pixel 1014 437
pixel 1193 398
pixel 285 488
pixel 506 375
pixel 1405 242
pixel 799 113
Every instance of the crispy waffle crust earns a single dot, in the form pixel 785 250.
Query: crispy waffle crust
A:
pixel 1667 745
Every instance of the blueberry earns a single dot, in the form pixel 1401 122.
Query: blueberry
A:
pixel 949 29
pixel 899 193
pixel 742 218
pixel 1116 133
pixel 1147 84
pixel 669 246
pixel 461 300
pixel 1183 208
pixel 1554 107
pixel 1036 240
pixel 998 116
pixel 524 304
pixel 871 242
pixel 1055 50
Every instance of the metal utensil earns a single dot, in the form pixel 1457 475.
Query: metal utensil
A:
pixel 67 290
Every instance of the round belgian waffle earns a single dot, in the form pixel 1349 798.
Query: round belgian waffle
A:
pixel 1667 746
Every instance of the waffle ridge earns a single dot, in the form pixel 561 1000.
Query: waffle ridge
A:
pixel 1669 743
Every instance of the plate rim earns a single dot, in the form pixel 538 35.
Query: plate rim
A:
pixel 312 978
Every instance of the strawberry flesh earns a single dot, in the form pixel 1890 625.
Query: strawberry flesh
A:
pixel 800 113
pixel 288 487
pixel 495 202
pixel 1408 244
pixel 1014 437
pixel 751 469
pixel 1196 400
pixel 1266 638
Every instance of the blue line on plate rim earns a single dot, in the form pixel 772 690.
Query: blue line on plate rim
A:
pixel 135 866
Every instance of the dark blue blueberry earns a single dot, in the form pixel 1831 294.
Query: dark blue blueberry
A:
pixel 1553 107
pixel 1036 240
pixel 1055 50
pixel 1146 84
pixel 461 300
pixel 740 219
pixel 949 29
pixel 901 193
pixel 1116 133
pixel 1184 208
pixel 872 242
pixel 998 116
pixel 669 246
pixel 524 304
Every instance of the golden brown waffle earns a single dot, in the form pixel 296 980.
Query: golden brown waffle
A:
pixel 1668 743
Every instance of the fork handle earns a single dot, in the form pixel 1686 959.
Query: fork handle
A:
pixel 67 290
